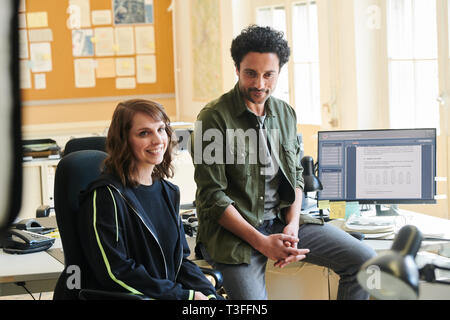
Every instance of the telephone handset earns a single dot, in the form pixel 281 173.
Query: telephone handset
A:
pixel 22 241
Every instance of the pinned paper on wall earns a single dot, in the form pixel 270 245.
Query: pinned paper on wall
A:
pixel 41 57
pixel 140 12
pixel 80 14
pixel 82 45
pixel 41 35
pixel 146 69
pixel 84 73
pixel 126 83
pixel 101 17
pixel 124 41
pixel 37 19
pixel 337 209
pixel 106 68
pixel 104 41
pixel 148 11
pixel 125 67
pixel 25 75
pixel 23 44
pixel 145 39
pixel 22 6
pixel 40 81
pixel 22 23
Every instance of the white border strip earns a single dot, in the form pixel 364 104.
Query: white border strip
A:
pixel 98 99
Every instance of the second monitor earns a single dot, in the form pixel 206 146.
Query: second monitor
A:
pixel 391 166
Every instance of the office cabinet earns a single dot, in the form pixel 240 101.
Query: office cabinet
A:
pixel 38 183
pixel 300 281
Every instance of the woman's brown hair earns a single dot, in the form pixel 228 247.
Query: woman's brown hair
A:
pixel 120 160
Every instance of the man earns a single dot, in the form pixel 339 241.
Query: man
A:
pixel 249 211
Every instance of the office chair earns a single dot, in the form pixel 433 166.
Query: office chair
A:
pixel 85 143
pixel 73 145
pixel 73 174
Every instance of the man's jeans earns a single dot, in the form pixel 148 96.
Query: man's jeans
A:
pixel 329 247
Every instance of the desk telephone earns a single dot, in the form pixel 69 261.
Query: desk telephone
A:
pixel 22 241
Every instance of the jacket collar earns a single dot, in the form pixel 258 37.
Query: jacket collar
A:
pixel 107 179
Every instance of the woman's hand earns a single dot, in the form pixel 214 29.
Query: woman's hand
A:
pixel 199 296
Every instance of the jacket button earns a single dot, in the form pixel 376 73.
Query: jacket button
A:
pixel 261 198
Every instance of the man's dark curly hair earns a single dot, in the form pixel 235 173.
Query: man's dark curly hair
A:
pixel 259 39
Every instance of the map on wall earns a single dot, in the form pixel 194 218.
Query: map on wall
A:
pixel 206 49
pixel 133 11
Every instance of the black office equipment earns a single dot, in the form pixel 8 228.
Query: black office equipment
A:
pixel 10 121
pixel 43 211
pixel 21 242
pixel 41 148
pixel 73 173
pixel 85 143
pixel 33 226
pixel 396 269
pixel 389 166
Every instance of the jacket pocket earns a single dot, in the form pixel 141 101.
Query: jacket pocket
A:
pixel 239 165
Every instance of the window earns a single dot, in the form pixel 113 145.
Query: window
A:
pixel 275 17
pixel 413 63
pixel 302 28
pixel 305 39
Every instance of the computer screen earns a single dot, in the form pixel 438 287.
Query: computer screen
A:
pixel 390 166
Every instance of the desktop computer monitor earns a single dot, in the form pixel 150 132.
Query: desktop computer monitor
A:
pixel 391 166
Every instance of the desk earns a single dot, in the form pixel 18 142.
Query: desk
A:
pixel 305 281
pixel 40 271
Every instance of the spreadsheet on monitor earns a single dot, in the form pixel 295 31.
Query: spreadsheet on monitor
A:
pixel 378 166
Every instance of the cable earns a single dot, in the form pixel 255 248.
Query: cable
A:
pixel 22 284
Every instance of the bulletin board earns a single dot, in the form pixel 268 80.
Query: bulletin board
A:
pixel 75 49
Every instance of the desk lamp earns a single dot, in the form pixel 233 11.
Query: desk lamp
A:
pixel 394 274
pixel 311 182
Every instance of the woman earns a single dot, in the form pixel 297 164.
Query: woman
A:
pixel 132 234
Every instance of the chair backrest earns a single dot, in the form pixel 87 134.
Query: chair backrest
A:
pixel 85 143
pixel 73 174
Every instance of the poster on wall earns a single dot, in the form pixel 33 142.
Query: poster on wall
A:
pixel 133 11
pixel 206 52
pixel 82 43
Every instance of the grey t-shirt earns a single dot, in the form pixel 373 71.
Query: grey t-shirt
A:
pixel 271 171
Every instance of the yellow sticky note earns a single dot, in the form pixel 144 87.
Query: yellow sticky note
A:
pixel 37 19
pixel 323 204
pixel 337 210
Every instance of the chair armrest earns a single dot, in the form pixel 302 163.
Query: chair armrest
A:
pixel 217 275
pixel 90 294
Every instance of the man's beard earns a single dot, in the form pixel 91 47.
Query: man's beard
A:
pixel 247 94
